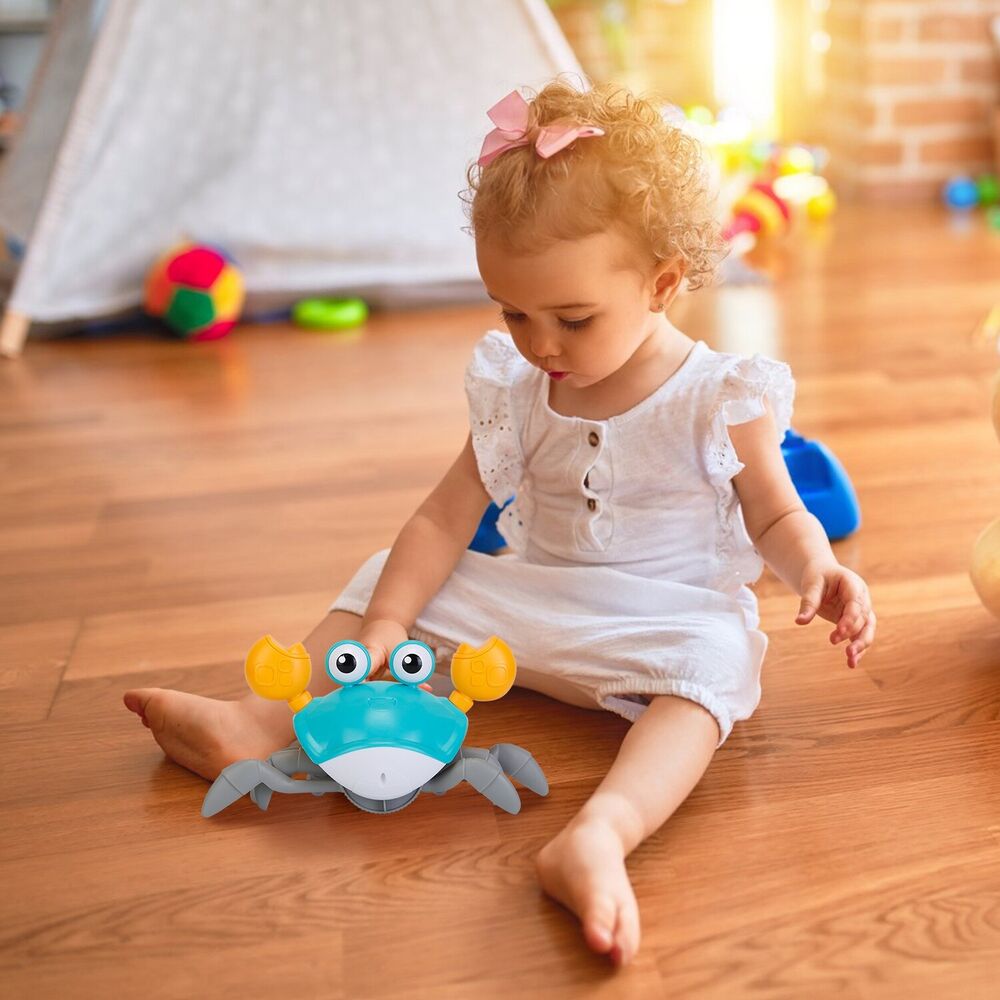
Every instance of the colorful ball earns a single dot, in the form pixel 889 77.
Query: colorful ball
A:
pixel 197 290
pixel 961 192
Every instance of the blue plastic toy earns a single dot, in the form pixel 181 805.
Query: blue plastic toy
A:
pixel 380 743
pixel 487 538
pixel 822 484
pixel 961 192
pixel 820 480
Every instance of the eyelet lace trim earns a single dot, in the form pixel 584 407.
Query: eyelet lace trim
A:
pixel 496 441
pixel 741 398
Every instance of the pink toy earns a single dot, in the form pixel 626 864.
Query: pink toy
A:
pixel 759 211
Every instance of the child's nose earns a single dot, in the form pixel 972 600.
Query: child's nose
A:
pixel 544 345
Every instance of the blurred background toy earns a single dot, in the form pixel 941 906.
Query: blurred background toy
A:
pixel 986 334
pixel 197 290
pixel 487 538
pixel 964 192
pixel 985 567
pixel 988 189
pixel 330 314
pixel 822 484
pixel 759 210
pixel 764 185
pixel 960 192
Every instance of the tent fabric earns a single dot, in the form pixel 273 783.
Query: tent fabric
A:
pixel 323 143
pixel 27 169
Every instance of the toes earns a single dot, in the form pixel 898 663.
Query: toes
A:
pixel 137 700
pixel 626 938
pixel 133 702
pixel 598 924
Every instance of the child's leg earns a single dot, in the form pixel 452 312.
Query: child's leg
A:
pixel 661 759
pixel 205 734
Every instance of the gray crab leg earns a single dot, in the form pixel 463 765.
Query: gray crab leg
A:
pixel 518 763
pixel 483 772
pixel 291 760
pixel 244 776
pixel 294 760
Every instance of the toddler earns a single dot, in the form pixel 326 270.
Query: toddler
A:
pixel 648 485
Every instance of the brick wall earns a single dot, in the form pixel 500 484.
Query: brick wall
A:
pixel 912 92
pixel 664 51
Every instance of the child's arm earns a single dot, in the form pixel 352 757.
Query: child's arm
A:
pixel 793 542
pixel 423 556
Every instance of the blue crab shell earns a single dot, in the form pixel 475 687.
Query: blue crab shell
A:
pixel 381 739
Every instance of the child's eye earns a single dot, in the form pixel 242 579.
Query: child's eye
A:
pixel 566 324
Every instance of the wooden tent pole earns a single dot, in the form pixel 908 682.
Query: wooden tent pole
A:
pixel 13 333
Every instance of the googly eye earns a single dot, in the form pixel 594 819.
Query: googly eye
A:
pixel 348 662
pixel 412 662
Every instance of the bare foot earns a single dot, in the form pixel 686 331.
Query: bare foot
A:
pixel 584 869
pixel 205 735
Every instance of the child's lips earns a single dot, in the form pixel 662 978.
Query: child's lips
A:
pixel 557 375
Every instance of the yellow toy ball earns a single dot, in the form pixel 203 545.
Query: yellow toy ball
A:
pixel 985 570
pixel 821 206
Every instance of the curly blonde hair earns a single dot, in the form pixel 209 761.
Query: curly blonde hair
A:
pixel 644 176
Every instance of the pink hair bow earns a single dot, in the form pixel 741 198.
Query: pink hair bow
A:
pixel 511 119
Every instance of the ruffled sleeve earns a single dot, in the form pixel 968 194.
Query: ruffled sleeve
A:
pixel 495 426
pixel 741 393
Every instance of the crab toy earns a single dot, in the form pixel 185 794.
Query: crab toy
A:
pixel 380 743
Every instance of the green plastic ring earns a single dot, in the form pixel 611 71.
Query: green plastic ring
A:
pixel 330 314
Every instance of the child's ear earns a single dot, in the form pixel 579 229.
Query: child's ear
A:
pixel 668 276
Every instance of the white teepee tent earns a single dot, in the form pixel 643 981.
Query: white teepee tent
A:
pixel 321 142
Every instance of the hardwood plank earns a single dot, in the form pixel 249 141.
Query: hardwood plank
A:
pixel 34 663
pixel 185 636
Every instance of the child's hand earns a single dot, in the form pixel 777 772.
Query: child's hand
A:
pixel 380 637
pixel 840 596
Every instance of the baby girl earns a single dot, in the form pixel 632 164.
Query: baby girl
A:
pixel 648 483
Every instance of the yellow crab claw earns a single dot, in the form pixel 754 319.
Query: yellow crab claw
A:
pixel 278 673
pixel 483 674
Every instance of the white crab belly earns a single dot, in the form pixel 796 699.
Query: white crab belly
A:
pixel 382 772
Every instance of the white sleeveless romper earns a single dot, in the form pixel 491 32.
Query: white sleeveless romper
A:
pixel 630 563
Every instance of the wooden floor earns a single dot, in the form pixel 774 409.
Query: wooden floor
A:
pixel 165 504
